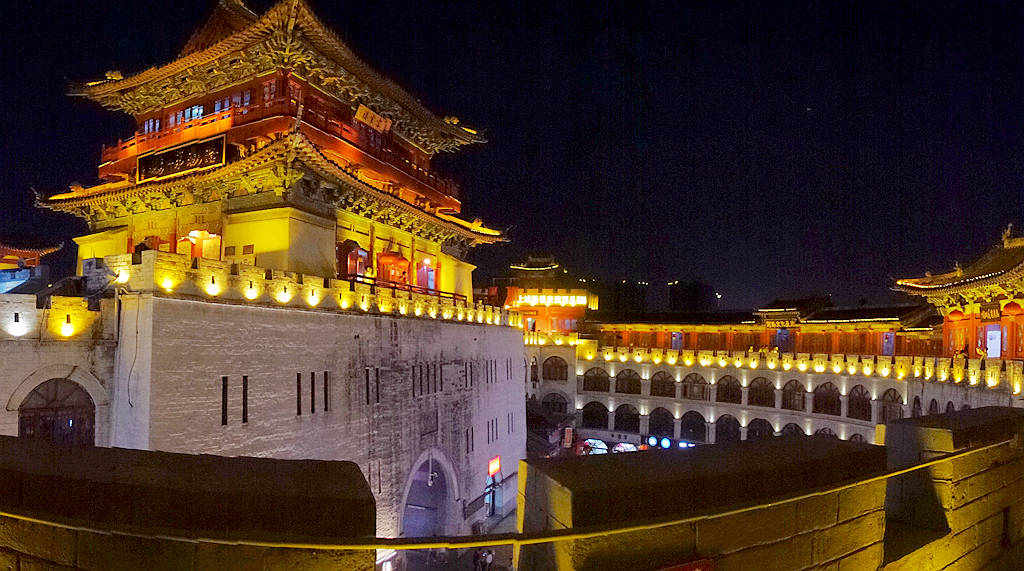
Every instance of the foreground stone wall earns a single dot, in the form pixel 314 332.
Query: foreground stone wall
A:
pixel 964 513
pixel 109 509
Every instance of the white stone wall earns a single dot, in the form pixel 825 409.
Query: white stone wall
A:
pixel 196 343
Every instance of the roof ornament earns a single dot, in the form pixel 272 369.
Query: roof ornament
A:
pixel 1006 235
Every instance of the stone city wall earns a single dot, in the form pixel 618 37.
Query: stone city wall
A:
pixel 108 509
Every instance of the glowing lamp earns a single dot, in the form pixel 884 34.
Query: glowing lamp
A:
pixel 313 298
pixel 802 366
pixel 364 305
pixel 590 356
pixel 688 362
pixel 122 276
pixel 665 443
pixel 418 311
pixel 494 466
pixel 652 440
pixel 671 360
pixel 771 365
pixel 853 369
pixel 656 359
pixel 787 366
pixel 638 358
pixel 433 314
pixel 167 284
pixel 402 309
pixel 17 327
pixel 345 304
pixel 250 292
pixel 66 328
pixel 212 288
pixel 836 369
pixel 283 296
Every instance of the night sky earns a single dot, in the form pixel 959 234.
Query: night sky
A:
pixel 779 150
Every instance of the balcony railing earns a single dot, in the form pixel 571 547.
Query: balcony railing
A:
pixel 216 123
pixel 376 284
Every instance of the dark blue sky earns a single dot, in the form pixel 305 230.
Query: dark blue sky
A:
pixel 772 150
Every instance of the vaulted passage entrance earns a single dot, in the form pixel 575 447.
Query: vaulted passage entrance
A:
pixel 424 507
pixel 59 411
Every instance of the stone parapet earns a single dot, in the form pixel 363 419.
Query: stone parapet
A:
pixel 169 274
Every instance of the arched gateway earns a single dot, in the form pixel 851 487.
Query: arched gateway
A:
pixel 59 411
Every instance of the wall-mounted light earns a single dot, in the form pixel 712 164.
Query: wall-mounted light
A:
pixel 17 327
pixel 250 292
pixel 283 296
pixel 122 276
pixel 66 328
pixel 212 288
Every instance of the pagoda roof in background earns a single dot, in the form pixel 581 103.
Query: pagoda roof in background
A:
pixel 1001 263
pixel 11 254
pixel 234 29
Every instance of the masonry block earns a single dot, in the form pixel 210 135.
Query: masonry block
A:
pixel 101 552
pixel 732 533
pixel 792 553
pixel 656 548
pixel 818 512
pixel 38 540
pixel 848 537
pixel 859 500
pixel 868 558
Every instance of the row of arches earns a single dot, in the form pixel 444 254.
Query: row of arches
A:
pixel 693 426
pixel 761 392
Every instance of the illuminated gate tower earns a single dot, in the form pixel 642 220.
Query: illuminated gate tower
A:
pixel 268 157
pixel 981 304
pixel 267 142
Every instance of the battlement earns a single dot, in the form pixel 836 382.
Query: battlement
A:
pixel 177 275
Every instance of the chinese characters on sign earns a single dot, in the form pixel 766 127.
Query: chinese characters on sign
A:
pixel 198 155
pixel 373 120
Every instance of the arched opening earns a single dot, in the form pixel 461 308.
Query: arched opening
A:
pixel 554 402
pixel 792 430
pixel 555 369
pixel 693 427
pixel 892 406
pixel 728 390
pixel 857 437
pixel 826 432
pixel 627 418
pixel 533 370
pixel 915 408
pixel 760 429
pixel 950 407
pixel 663 385
pixel 965 406
pixel 60 411
pixel 661 423
pixel 859 404
pixel 595 415
pixel 596 380
pixel 695 387
pixel 425 505
pixel 727 429
pixel 933 407
pixel 627 382
pixel 826 399
pixel 761 393
pixel 793 394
